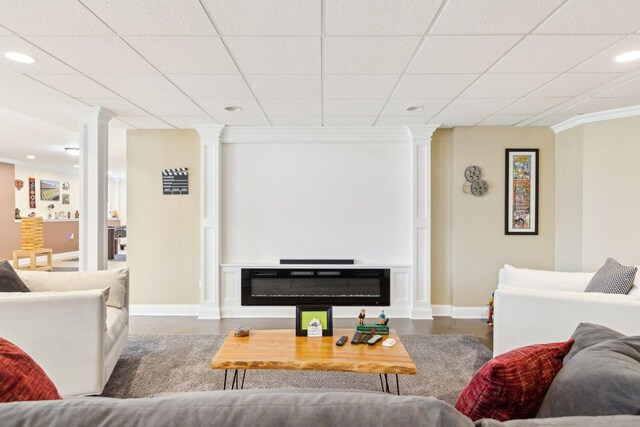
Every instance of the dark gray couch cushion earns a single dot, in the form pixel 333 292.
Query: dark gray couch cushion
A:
pixel 240 408
pixel 9 279
pixel 603 379
pixel 588 334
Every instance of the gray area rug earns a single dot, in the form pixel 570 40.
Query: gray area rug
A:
pixel 154 364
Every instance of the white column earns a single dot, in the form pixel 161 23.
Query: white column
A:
pixel 210 220
pixel 421 220
pixel 94 159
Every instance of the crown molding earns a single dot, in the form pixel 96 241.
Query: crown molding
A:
pixel 616 113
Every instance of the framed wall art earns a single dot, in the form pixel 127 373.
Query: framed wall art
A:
pixel 308 315
pixel 49 190
pixel 521 191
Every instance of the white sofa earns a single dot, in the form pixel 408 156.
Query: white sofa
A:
pixel 535 306
pixel 69 325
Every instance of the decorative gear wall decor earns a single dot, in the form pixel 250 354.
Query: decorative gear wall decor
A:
pixel 474 185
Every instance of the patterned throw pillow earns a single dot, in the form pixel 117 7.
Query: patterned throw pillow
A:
pixel 513 385
pixel 612 278
pixel 21 378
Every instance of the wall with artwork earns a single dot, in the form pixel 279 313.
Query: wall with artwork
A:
pixel 51 188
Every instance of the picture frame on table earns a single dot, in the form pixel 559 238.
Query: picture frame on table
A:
pixel 306 313
pixel 521 191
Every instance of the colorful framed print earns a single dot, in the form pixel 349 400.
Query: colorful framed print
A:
pixel 308 314
pixel 521 191
pixel 49 190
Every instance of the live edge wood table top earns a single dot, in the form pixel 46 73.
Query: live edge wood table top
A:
pixel 282 349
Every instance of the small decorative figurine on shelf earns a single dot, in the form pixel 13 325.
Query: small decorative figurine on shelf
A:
pixel 241 331
pixel 77 215
pixel 383 318
pixel 490 318
pixel 361 317
pixel 18 214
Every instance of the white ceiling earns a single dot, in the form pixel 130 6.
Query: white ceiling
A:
pixel 173 63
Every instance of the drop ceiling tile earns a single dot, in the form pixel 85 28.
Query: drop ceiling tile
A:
pixel 552 120
pixel 116 105
pixel 472 107
pixel 353 107
pixel 492 17
pixel 605 60
pixel 460 54
pixel 140 86
pixel 94 54
pixel 379 17
pixel 572 84
pixel 145 122
pixel 212 85
pixel 75 85
pixel 169 107
pixel 630 89
pixel 398 107
pixel 551 54
pixel 151 18
pixel 593 105
pixel 295 121
pixel 594 17
pixel 349 121
pixel 45 63
pixel 285 87
pixel 189 122
pixel 117 124
pixel 216 107
pixel 452 119
pixel 368 55
pixel 506 85
pixel 50 18
pixel 276 55
pixel 433 85
pixel 359 87
pixel 4 32
pixel 292 107
pixel 401 120
pixel 268 18
pixel 243 120
pixel 185 55
pixel 532 106
pixel 504 120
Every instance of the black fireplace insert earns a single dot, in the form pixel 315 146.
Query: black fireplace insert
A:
pixel 299 286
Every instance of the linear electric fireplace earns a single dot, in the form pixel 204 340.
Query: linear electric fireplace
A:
pixel 299 286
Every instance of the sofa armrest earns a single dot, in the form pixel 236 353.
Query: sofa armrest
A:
pixel 63 332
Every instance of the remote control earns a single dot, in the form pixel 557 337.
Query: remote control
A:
pixel 342 340
pixel 356 338
pixel 364 338
pixel 374 340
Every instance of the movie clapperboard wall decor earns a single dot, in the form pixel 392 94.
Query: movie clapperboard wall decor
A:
pixel 175 181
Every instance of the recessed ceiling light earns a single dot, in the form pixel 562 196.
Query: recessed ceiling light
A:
pixel 628 56
pixel 20 57
pixel 31 157
pixel 232 108
pixel 76 166
pixel 415 108
pixel 72 151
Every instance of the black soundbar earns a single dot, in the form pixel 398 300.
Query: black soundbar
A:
pixel 316 261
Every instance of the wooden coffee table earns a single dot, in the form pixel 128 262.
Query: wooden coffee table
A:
pixel 282 349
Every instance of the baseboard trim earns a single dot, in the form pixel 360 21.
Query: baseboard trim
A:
pixel 461 312
pixel 164 309
pixel 23 262
pixel 208 313
pixel 422 313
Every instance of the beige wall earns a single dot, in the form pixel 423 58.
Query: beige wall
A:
pixel 472 228
pixel 163 232
pixel 9 230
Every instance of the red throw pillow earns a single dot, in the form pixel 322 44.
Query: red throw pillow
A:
pixel 512 385
pixel 21 378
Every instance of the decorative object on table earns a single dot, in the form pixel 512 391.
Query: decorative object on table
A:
pixel 473 184
pixel 521 191
pixel 17 215
pixel 49 190
pixel 242 331
pixel 115 214
pixel 32 193
pixel 306 313
pixel 76 215
pixel 61 215
pixel 361 316
pixel 490 317
pixel 175 181
pixel 19 184
pixel 383 318
pixel 65 199
pixel 373 329
pixel 314 328
pixel 66 186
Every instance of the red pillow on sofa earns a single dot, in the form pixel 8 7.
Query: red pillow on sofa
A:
pixel 21 378
pixel 512 385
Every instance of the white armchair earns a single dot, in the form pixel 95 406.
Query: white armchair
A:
pixel 69 327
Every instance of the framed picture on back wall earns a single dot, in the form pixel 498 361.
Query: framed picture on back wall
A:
pixel 521 191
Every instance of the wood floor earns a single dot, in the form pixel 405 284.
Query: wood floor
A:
pixel 173 325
